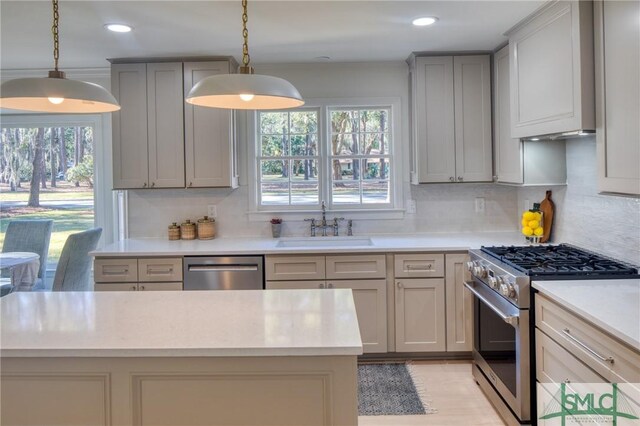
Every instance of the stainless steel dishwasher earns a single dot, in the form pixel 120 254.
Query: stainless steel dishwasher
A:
pixel 224 273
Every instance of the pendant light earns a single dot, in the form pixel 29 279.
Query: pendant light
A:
pixel 55 93
pixel 245 90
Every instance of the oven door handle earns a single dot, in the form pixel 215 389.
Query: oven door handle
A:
pixel 509 319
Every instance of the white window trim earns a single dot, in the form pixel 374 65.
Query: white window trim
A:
pixel 104 205
pixel 395 209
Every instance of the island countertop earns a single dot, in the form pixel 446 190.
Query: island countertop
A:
pixel 612 305
pixel 241 323
pixel 433 242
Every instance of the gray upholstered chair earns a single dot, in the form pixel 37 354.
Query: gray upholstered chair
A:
pixel 32 236
pixel 74 267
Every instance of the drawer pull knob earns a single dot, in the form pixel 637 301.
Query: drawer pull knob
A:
pixel 584 346
pixel 134 288
pixel 321 286
pixel 142 287
pixel 400 285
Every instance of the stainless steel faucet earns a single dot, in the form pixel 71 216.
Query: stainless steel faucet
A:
pixel 336 228
pixel 323 224
pixel 350 228
pixel 313 226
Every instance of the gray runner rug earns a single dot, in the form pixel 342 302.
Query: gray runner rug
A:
pixel 388 390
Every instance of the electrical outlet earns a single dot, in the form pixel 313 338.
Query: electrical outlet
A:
pixel 212 211
pixel 479 205
pixel 411 207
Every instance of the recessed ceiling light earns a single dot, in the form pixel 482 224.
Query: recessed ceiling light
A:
pixel 118 28
pixel 424 21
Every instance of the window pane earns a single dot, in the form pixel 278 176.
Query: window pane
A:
pixel 377 168
pixel 305 192
pixel 344 121
pixel 304 122
pixel 273 123
pixel 344 144
pixel 274 146
pixel 275 193
pixel 274 170
pixel 374 120
pixel 346 192
pixel 304 170
pixel 304 145
pixel 375 191
pixel 375 143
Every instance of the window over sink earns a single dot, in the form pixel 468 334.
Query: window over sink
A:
pixel 332 151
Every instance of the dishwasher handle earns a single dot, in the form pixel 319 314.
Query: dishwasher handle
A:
pixel 221 268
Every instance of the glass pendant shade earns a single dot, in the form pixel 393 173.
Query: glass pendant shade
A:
pixel 56 95
pixel 245 91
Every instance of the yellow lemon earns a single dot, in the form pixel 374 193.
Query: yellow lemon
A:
pixel 534 224
pixel 538 216
pixel 527 231
pixel 538 231
pixel 528 215
pixel 525 222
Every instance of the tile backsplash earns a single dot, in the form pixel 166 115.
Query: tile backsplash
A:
pixel 604 223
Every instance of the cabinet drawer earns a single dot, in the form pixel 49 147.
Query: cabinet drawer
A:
pixel 295 285
pixel 162 286
pixel 160 269
pixel 606 356
pixel 418 265
pixel 115 270
pixel 294 268
pixel 555 365
pixel 115 287
pixel 356 267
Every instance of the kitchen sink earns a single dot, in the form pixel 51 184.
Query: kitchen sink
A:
pixel 325 242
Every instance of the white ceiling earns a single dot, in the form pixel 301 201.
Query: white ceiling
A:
pixel 279 31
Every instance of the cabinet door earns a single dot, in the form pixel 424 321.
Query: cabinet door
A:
pixel 123 270
pixel 160 286
pixel 165 125
pixel 472 88
pixel 370 297
pixel 130 158
pixel 552 71
pixel 295 285
pixel 434 119
pixel 160 269
pixel 508 150
pixel 420 315
pixel 209 135
pixel 459 305
pixel 618 95
pixel 115 287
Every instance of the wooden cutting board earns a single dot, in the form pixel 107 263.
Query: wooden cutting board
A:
pixel 547 208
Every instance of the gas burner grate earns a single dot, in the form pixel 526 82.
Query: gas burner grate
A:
pixel 560 261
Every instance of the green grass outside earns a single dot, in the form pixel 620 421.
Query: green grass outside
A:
pixel 46 196
pixel 65 222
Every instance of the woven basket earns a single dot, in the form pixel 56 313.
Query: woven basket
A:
pixel 206 228
pixel 174 232
pixel 188 230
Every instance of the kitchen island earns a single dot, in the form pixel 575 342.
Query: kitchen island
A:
pixel 281 357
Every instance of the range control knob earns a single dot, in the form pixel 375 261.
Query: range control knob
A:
pixel 480 271
pixel 493 282
pixel 507 289
pixel 470 266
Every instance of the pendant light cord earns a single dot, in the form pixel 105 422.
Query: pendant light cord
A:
pixel 54 30
pixel 245 35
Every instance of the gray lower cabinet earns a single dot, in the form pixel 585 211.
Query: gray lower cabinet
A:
pixel 459 304
pixel 160 141
pixel 138 274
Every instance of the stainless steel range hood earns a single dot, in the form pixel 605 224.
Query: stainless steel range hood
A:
pixel 576 134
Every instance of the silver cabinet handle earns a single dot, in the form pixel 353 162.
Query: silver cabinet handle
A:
pixel 584 346
pixel 459 178
pixel 190 184
pixel 115 271
pixel 159 271
pixel 330 285
pixel 320 285
pixel 509 319
pixel 142 287
pixel 419 267
pixel 134 288
pixel 153 184
pixel 452 179
pixel 144 185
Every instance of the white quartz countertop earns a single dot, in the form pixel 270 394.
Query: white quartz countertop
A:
pixel 239 323
pixel 612 305
pixel 238 246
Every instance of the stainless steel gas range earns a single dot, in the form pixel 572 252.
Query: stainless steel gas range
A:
pixel 503 349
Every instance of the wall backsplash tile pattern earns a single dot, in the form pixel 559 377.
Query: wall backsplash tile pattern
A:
pixel 604 223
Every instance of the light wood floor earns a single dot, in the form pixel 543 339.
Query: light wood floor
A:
pixel 453 392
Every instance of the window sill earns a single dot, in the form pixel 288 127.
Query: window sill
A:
pixel 264 215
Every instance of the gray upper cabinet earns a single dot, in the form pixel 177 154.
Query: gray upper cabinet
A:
pixel 521 162
pixel 552 74
pixel 451 119
pixel 618 95
pixel 160 141
pixel 209 135
pixel 165 125
pixel 130 161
